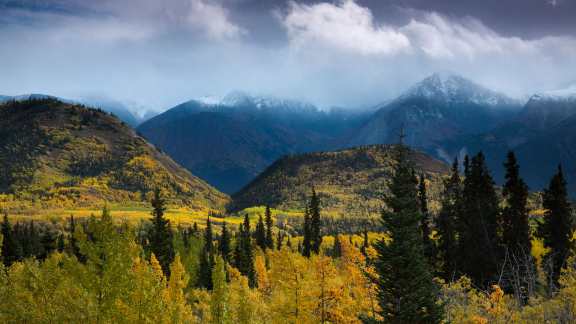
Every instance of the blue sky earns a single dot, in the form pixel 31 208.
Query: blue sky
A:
pixel 154 54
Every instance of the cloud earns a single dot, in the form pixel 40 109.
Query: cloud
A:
pixel 121 20
pixel 349 27
pixel 345 26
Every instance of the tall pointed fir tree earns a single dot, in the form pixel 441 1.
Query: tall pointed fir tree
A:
pixel 426 223
pixel 206 258
pixel 406 291
pixel 260 234
pixel 306 246
pixel 160 240
pixel 447 224
pixel 315 223
pixel 269 225
pixel 11 248
pixel 224 244
pixel 558 228
pixel 480 253
pixel 244 254
pixel 516 229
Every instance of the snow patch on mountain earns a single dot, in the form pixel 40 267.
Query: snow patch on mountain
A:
pixel 452 88
pixel 566 94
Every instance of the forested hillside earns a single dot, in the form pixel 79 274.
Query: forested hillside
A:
pixel 349 182
pixel 58 154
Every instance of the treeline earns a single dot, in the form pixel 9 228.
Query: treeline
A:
pixel 472 262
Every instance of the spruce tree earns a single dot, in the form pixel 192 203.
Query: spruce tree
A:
pixel 11 248
pixel 558 228
pixel 337 248
pixel 480 253
pixel 279 239
pixel 72 246
pixel 160 240
pixel 269 225
pixel 315 223
pixel 406 291
pixel 224 244
pixel 447 224
pixel 206 258
pixel 306 246
pixel 515 227
pixel 429 248
pixel 260 234
pixel 365 242
pixel 244 253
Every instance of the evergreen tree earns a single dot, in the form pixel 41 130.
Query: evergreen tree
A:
pixel 337 248
pixel 558 228
pixel 269 225
pixel 515 227
pixel 11 248
pixel 279 239
pixel 306 246
pixel 224 245
pixel 244 253
pixel 406 291
pixel 260 234
pixel 72 246
pixel 425 223
pixel 365 243
pixel 480 254
pixel 447 224
pixel 315 223
pixel 160 239
pixel 206 258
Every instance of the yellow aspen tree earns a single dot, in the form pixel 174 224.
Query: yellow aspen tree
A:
pixel 177 311
pixel 262 275
pixel 220 295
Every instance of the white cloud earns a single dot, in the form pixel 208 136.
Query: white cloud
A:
pixel 213 19
pixel 349 27
pixel 346 26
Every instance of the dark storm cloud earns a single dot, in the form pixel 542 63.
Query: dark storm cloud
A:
pixel 153 54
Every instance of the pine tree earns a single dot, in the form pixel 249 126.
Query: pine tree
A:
pixel 269 225
pixel 244 253
pixel 425 223
pixel 11 248
pixel 337 248
pixel 160 240
pixel 72 247
pixel 306 246
pixel 224 245
pixel 207 258
pixel 480 253
pixel 365 242
pixel 558 227
pixel 447 224
pixel 260 234
pixel 315 223
pixel 279 239
pixel 406 291
pixel 515 226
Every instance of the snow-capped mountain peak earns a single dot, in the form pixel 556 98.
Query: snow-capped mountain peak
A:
pixel 452 88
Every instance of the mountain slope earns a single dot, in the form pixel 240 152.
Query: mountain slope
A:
pixel 440 107
pixel 350 181
pixel 542 135
pixel 230 141
pixel 111 106
pixel 66 154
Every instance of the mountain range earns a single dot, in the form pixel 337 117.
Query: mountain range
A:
pixel 228 142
